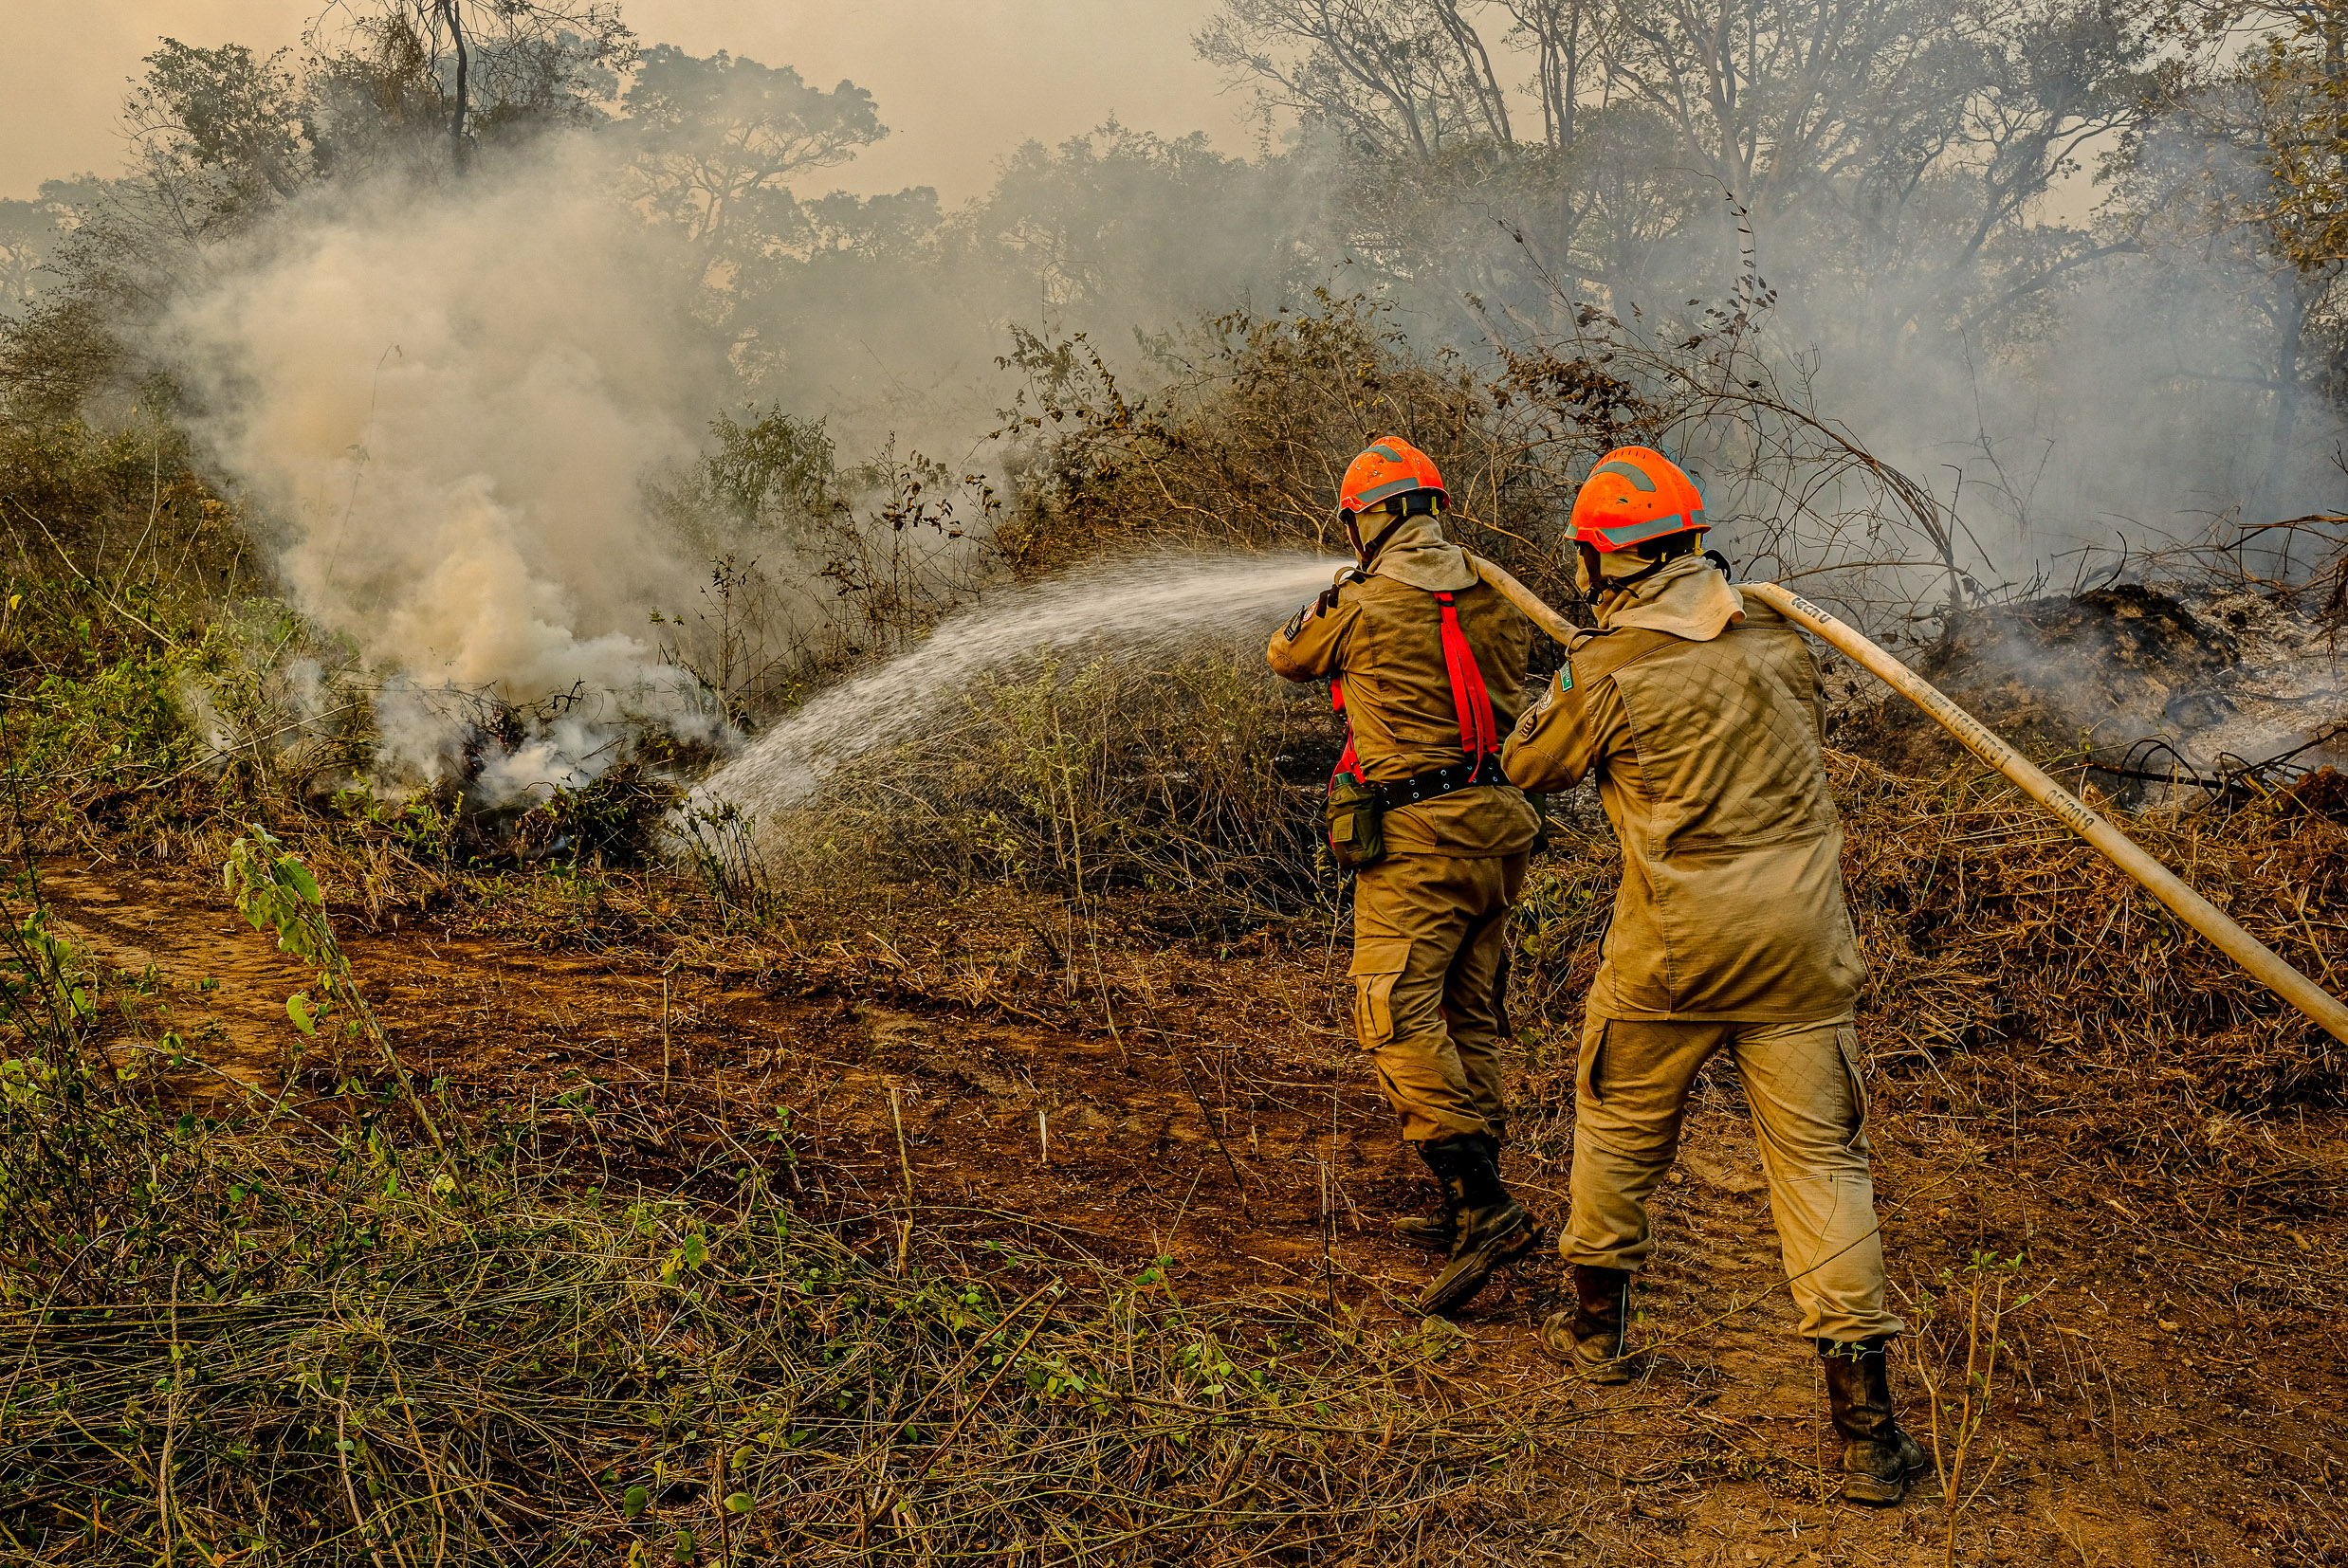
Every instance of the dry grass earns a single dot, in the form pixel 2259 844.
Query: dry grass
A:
pixel 303 1334
pixel 1199 775
pixel 488 1375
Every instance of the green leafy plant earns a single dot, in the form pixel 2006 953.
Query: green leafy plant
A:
pixel 275 891
pixel 717 839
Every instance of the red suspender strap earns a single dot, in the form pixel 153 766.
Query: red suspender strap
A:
pixel 1349 763
pixel 1469 694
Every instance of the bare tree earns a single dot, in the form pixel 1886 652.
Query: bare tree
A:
pixel 1391 75
pixel 1900 138
pixel 1564 36
pixel 494 65
pixel 1773 95
pixel 2247 162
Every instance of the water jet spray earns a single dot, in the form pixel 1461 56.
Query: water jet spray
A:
pixel 1132 604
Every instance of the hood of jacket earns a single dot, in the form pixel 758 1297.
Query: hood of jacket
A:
pixel 1690 598
pixel 1416 553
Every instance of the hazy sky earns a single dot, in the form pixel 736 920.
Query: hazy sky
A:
pixel 958 81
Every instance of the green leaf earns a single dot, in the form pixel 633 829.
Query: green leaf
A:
pixel 685 1545
pixel 741 1502
pixel 634 1501
pixel 297 1008
pixel 292 873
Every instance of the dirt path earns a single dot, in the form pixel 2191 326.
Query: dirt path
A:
pixel 226 984
pixel 2172 1394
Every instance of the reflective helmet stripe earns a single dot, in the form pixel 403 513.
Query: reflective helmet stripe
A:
pixel 1653 528
pixel 1391 487
pixel 1636 475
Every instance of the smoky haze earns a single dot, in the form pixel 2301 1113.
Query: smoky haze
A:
pixel 448 400
pixel 471 410
pixel 962 81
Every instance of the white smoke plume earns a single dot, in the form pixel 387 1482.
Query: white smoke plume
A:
pixel 448 398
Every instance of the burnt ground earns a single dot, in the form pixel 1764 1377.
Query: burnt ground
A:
pixel 2132 677
pixel 2135 661
pixel 2172 1392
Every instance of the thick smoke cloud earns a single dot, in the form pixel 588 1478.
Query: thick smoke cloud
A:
pixel 448 399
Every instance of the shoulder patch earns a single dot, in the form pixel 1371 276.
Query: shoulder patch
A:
pixel 1559 684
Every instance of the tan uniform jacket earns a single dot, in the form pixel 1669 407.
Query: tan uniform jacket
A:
pixel 1708 764
pixel 1385 640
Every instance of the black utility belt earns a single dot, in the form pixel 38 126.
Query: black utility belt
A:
pixel 1441 781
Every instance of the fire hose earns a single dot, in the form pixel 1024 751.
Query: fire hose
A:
pixel 2257 960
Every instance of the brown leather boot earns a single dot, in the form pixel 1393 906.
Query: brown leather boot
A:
pixel 1591 1337
pixel 1439 1231
pixel 1494 1227
pixel 1879 1459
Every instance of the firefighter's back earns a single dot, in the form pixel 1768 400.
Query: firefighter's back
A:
pixel 1398 687
pixel 1715 780
pixel 1727 735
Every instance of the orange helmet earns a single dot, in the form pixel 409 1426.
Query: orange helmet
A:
pixel 1634 495
pixel 1391 468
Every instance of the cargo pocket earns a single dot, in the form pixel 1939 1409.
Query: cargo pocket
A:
pixel 1378 962
pixel 1846 1041
pixel 1586 1075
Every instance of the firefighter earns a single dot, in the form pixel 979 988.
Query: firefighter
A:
pixel 1427 663
pixel 1697 715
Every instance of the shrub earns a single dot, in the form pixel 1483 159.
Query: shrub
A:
pixel 1199 776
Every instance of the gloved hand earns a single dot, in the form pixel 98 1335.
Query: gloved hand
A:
pixel 1327 601
pixel 1315 608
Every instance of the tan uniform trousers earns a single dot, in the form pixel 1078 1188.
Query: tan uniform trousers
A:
pixel 1430 983
pixel 1810 1112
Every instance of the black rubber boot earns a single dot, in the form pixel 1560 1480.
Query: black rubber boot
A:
pixel 1439 1231
pixel 1593 1336
pixel 1879 1460
pixel 1494 1227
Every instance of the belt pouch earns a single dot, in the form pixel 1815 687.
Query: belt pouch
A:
pixel 1356 832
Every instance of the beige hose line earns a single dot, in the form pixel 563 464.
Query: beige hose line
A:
pixel 1525 599
pixel 2259 961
